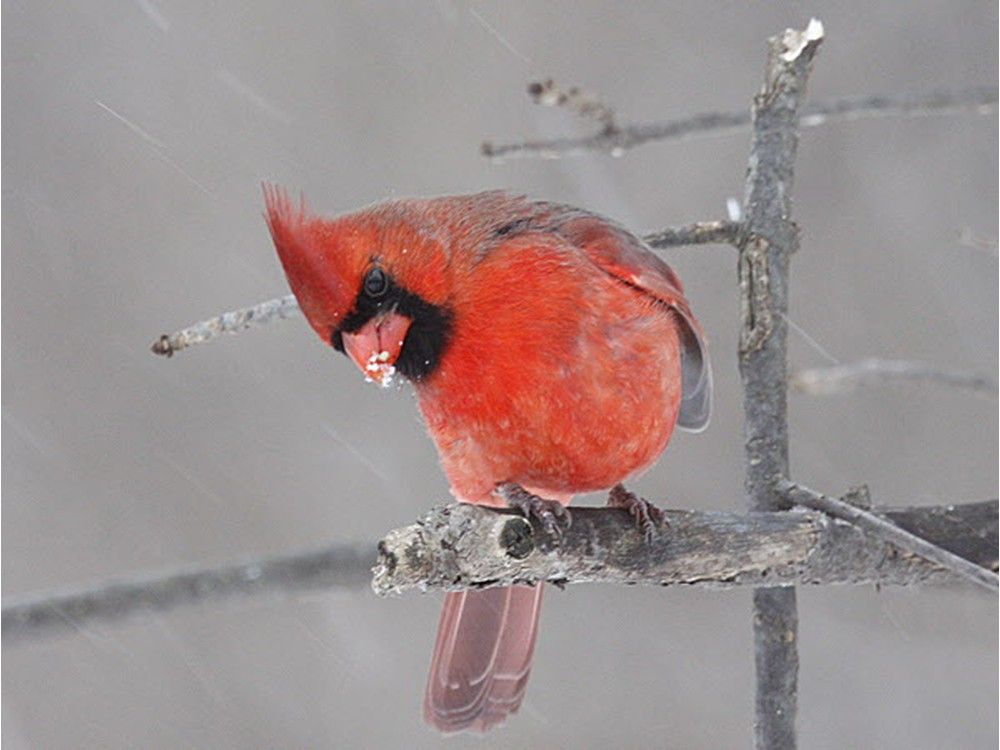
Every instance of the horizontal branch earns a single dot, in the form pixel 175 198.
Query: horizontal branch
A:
pixel 343 566
pixel 703 548
pixel 281 308
pixel 462 546
pixel 979 99
pixel 826 381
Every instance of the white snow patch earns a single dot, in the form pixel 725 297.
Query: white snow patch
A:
pixel 378 370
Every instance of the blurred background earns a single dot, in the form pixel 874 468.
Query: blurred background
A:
pixel 137 135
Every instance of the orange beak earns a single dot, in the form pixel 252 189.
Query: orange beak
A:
pixel 375 346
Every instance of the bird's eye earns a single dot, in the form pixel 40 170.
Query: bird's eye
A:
pixel 376 283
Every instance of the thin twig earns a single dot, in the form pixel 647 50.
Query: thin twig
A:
pixel 346 565
pixel 887 531
pixel 699 233
pixel 586 105
pixel 230 322
pixel 709 549
pixel 826 381
pixel 766 246
pixel 281 308
pixel 978 99
pixel 968 238
pixel 981 99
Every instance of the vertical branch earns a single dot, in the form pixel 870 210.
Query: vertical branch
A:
pixel 768 241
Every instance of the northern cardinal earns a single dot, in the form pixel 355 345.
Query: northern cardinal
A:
pixel 552 353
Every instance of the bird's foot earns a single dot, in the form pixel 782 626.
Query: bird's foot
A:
pixel 551 514
pixel 648 518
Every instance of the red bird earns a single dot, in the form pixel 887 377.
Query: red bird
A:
pixel 552 353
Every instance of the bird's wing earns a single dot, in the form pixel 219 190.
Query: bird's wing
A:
pixel 612 248
pixel 622 255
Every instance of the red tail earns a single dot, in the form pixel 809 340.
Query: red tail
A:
pixel 482 658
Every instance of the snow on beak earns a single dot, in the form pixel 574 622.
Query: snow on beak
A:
pixel 376 346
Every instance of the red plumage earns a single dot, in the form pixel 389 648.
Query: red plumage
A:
pixel 548 347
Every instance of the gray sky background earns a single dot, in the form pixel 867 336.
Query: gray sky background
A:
pixel 136 136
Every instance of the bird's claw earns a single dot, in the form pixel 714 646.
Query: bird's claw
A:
pixel 553 517
pixel 648 518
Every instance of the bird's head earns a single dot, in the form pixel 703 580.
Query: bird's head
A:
pixel 371 284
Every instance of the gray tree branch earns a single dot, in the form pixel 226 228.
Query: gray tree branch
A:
pixel 235 321
pixel 460 546
pixel 769 240
pixel 618 140
pixel 337 566
pixel 699 233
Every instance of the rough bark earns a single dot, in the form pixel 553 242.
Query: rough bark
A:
pixel 717 550
pixel 460 546
pixel 769 241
